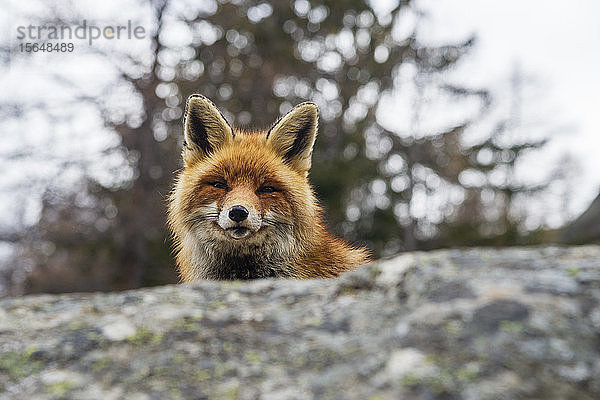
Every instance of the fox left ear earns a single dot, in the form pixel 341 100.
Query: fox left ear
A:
pixel 205 128
pixel 293 135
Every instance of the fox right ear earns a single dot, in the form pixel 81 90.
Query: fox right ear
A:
pixel 293 135
pixel 205 129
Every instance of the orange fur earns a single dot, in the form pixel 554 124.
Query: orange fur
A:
pixel 265 173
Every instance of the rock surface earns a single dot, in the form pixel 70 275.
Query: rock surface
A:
pixel 585 228
pixel 456 324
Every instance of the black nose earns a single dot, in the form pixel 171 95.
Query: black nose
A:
pixel 238 213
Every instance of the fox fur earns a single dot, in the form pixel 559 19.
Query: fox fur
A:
pixel 242 206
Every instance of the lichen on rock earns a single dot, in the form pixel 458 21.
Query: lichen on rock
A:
pixel 472 324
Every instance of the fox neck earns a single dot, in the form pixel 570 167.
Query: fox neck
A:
pixel 208 259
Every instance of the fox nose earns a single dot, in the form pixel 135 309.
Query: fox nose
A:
pixel 238 213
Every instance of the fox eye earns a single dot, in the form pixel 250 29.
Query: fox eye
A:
pixel 266 189
pixel 218 185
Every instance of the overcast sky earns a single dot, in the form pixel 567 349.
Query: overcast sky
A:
pixel 556 42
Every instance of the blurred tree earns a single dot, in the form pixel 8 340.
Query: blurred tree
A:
pixel 490 213
pixel 388 187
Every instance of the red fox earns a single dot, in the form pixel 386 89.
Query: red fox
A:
pixel 242 206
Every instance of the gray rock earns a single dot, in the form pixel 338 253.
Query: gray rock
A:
pixel 453 324
pixel 585 228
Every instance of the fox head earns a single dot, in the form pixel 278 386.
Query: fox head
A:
pixel 243 196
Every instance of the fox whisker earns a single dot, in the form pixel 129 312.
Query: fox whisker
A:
pixel 204 217
pixel 274 222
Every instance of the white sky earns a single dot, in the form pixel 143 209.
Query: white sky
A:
pixel 557 42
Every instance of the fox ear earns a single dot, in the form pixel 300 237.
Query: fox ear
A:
pixel 205 128
pixel 293 135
